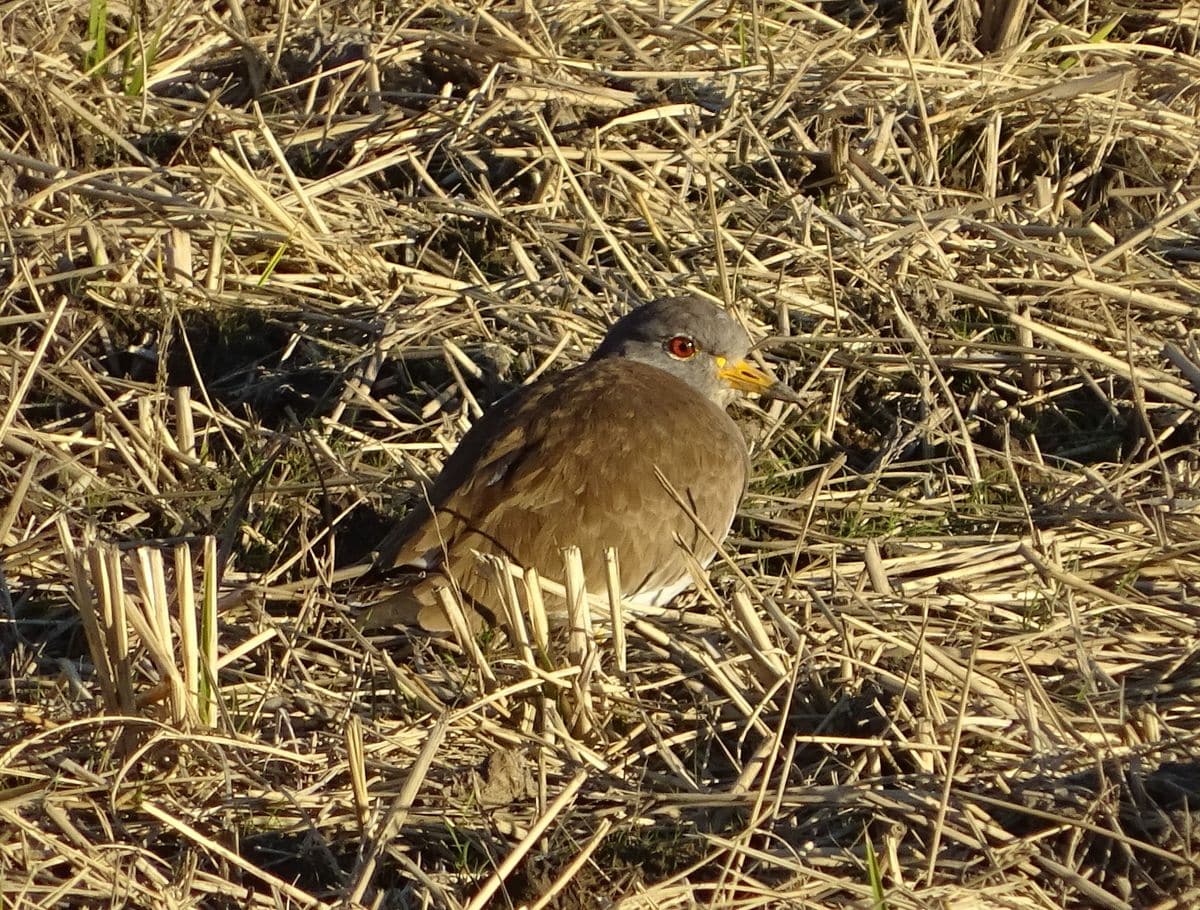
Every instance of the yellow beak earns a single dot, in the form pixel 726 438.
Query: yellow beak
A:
pixel 745 377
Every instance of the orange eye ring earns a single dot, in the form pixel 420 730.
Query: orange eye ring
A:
pixel 681 347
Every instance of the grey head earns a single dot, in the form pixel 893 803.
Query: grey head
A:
pixel 694 341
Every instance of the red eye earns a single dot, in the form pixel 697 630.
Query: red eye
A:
pixel 681 347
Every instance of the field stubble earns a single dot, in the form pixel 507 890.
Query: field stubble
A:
pixel 261 268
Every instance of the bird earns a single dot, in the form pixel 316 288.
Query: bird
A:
pixel 604 455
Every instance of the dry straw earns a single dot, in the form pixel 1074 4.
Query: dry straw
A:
pixel 260 267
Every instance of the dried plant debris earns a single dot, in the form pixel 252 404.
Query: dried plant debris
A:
pixel 261 267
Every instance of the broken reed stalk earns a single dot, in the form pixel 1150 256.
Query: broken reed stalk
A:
pixel 125 603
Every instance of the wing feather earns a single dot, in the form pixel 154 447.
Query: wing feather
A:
pixel 572 460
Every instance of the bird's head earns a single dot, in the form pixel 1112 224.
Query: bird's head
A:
pixel 696 342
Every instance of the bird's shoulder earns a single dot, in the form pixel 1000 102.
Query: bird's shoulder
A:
pixel 611 406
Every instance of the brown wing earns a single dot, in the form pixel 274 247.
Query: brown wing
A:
pixel 571 460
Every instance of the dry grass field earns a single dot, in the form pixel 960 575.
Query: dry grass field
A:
pixel 262 263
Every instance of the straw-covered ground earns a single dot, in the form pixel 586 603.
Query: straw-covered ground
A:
pixel 260 265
